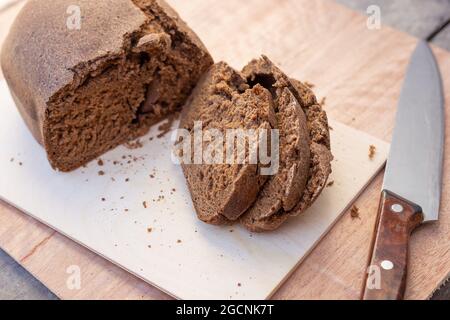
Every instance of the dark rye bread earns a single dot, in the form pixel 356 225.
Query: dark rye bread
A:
pixel 83 92
pixel 223 100
pixel 304 151
pixel 270 211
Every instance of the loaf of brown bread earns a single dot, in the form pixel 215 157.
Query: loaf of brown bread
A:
pixel 85 86
pixel 265 202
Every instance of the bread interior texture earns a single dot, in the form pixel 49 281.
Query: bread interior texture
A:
pixel 118 97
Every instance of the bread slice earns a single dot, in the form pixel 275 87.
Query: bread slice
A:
pixel 283 190
pixel 83 91
pixel 223 100
pixel 307 165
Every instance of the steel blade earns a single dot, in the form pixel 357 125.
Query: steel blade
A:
pixel 415 164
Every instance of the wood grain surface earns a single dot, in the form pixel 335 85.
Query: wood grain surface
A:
pixel 388 265
pixel 360 71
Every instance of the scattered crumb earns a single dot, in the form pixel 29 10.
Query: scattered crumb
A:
pixel 331 128
pixel 103 199
pixel 231 230
pixel 179 241
pixel 12 160
pixel 101 173
pixel 152 176
pixel 239 284
pixel 372 151
pixel 137 144
pixel 330 184
pixel 151 139
pixel 174 190
pixel 149 246
pixel 149 230
pixel 323 101
pixel 127 179
pixel 309 84
pixel 20 163
pixel 354 212
pixel 126 210
pixel 353 119
pixel 100 162
pixel 144 204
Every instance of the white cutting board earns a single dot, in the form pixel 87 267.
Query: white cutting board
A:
pixel 181 255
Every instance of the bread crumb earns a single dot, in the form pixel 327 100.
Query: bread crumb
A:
pixel 149 230
pixel 103 199
pixel 354 212
pixel 20 163
pixel 101 173
pixel 137 144
pixel 12 160
pixel 239 284
pixel 144 204
pixel 330 184
pixel 179 241
pixel 152 176
pixel 127 179
pixel 372 151
pixel 100 162
pixel 323 101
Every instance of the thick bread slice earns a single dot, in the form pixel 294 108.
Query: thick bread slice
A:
pixel 271 210
pixel 222 100
pixel 283 190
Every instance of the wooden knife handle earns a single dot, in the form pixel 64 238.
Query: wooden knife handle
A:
pixel 386 273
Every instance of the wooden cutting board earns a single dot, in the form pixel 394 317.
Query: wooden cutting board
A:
pixel 359 70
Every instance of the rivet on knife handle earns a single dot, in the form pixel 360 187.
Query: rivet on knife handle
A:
pixel 386 273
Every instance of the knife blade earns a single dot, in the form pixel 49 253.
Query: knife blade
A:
pixel 413 179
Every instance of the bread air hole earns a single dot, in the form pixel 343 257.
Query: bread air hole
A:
pixel 266 80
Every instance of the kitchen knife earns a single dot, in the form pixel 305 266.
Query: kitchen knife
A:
pixel 413 180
